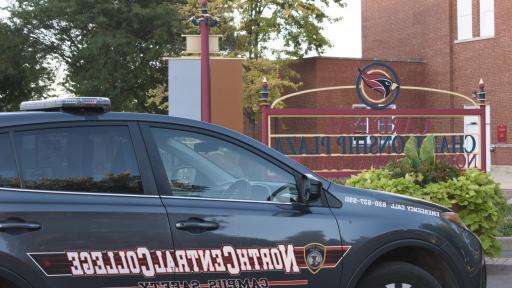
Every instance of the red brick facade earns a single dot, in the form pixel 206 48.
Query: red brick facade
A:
pixel 419 40
pixel 428 30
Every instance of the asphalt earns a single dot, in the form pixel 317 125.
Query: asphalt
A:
pixel 499 279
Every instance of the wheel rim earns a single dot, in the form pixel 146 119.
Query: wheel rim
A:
pixel 399 285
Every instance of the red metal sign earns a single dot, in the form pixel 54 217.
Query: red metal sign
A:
pixel 502 134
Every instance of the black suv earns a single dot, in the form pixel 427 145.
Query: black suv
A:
pixel 91 198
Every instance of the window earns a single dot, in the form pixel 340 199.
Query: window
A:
pixel 486 18
pixel 205 167
pixel 8 171
pixel 464 19
pixel 79 159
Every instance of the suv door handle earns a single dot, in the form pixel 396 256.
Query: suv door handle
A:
pixel 25 226
pixel 196 224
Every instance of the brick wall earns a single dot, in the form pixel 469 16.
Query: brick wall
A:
pixel 428 30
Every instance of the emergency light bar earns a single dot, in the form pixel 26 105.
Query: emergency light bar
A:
pixel 68 104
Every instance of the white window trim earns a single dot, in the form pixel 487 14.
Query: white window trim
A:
pixel 473 39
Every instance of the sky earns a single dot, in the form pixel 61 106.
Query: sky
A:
pixel 3 3
pixel 345 35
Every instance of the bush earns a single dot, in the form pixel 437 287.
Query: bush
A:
pixel 505 229
pixel 472 193
pixel 422 161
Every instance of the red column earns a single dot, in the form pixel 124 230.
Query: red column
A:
pixel 265 109
pixel 264 123
pixel 483 127
pixel 483 136
pixel 205 65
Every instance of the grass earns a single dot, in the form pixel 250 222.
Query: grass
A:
pixel 506 228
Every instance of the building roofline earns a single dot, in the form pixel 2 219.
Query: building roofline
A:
pixel 403 60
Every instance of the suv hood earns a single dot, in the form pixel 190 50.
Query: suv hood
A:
pixel 367 197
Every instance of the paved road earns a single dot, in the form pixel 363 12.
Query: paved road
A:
pixel 499 279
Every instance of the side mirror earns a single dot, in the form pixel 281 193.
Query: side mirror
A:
pixel 311 188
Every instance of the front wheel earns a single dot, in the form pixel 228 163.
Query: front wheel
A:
pixel 398 275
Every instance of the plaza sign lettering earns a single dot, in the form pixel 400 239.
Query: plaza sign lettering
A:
pixel 374 145
pixel 350 151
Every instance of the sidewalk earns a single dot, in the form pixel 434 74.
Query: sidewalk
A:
pixel 503 175
pixel 501 267
pixel 504 262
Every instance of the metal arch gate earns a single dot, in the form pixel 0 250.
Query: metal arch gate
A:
pixel 459 148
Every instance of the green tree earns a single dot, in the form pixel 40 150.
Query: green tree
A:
pixel 226 27
pixel 297 23
pixel 23 75
pixel 110 48
pixel 250 27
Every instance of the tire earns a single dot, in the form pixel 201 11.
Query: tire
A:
pixel 6 285
pixel 398 275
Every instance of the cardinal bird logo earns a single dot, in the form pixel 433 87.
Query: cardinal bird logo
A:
pixel 377 85
pixel 379 82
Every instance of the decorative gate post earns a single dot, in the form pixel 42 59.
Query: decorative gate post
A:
pixel 264 107
pixel 483 126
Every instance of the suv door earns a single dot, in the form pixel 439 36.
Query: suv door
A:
pixel 87 213
pixel 235 216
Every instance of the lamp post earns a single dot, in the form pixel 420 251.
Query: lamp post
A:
pixel 205 21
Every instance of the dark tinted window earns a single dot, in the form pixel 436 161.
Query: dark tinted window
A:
pixel 206 167
pixel 8 173
pixel 82 159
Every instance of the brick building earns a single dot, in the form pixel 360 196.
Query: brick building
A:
pixel 460 41
pixel 442 44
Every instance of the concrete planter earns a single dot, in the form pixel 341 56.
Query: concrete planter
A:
pixel 506 243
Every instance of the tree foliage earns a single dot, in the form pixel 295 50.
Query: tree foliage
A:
pixel 297 23
pixel 114 48
pixel 110 48
pixel 251 29
pixel 23 75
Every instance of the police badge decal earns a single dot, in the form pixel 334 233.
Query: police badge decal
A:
pixel 315 255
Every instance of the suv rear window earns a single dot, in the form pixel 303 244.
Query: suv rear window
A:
pixel 80 159
pixel 8 172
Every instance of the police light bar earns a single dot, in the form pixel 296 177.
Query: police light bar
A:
pixel 68 104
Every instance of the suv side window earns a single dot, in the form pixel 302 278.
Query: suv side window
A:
pixel 8 171
pixel 206 167
pixel 79 159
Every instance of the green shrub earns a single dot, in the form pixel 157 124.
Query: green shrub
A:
pixel 474 195
pixel 422 161
pixel 505 229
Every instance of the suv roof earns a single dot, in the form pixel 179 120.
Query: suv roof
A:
pixel 28 118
